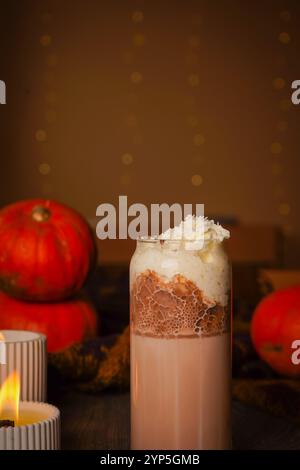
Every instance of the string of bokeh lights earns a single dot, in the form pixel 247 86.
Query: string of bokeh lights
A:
pixel 131 120
pixel 277 147
pixel 192 60
pixel 50 98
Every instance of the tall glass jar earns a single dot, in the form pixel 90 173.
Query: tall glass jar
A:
pixel 180 346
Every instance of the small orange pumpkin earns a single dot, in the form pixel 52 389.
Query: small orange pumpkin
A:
pixel 46 250
pixel 275 326
pixel 64 323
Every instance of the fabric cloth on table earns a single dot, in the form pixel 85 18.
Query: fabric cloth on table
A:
pixel 104 362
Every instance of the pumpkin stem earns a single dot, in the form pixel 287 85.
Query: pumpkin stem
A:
pixel 40 214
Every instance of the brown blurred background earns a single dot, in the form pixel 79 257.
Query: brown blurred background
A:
pixel 165 101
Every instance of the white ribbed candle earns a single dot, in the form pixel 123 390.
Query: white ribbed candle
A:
pixel 42 435
pixel 25 353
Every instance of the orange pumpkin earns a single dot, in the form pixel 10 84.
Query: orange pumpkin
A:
pixel 64 323
pixel 46 250
pixel 275 326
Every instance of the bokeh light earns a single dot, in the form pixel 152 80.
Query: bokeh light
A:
pixel 127 159
pixel 276 147
pixel 41 135
pixel 137 16
pixel 193 79
pixel 136 77
pixel 278 83
pixel 199 139
pixel 44 168
pixel 196 180
pixel 192 121
pixel 45 40
pixel 284 37
pixel 284 209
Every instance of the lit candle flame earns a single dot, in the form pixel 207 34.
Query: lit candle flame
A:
pixel 10 397
pixel 1 337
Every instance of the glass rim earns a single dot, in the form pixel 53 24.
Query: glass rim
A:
pixel 20 336
pixel 162 241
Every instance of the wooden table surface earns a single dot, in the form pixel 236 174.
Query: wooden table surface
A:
pixel 94 422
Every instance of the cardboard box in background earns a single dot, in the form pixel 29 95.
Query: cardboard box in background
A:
pixel 274 279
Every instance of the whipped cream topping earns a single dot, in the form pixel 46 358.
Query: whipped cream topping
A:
pixel 203 262
pixel 199 230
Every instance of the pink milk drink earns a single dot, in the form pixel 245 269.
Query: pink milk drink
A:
pixel 181 343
